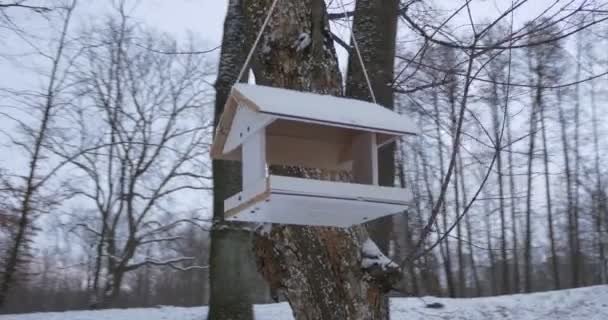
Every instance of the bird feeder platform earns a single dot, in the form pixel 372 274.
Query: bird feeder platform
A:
pixel 263 126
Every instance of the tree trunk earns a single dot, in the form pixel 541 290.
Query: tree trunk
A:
pixel 490 249
pixel 459 246
pixel 532 137
pixel 235 283
pixel 469 232
pixel 232 273
pixel 568 172
pixel 405 234
pixel 513 205
pixel 576 248
pixel 554 258
pixel 598 201
pixel 317 269
pixel 444 245
pixel 497 128
pixel 451 96
pixel 428 276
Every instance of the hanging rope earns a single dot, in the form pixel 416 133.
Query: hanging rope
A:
pixel 352 36
pixel 257 39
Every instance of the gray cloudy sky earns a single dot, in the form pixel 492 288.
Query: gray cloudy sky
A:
pixel 204 17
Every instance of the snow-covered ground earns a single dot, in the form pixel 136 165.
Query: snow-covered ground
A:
pixel 589 303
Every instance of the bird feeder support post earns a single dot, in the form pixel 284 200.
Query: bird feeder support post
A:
pixel 254 158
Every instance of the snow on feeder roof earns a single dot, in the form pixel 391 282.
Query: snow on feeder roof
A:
pixel 262 125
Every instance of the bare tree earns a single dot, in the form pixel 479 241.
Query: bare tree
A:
pixel 146 114
pixel 28 198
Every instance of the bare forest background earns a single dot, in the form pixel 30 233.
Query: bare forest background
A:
pixel 106 182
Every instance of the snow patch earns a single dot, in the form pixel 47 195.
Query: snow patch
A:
pixel 266 49
pixel 264 229
pixel 302 42
pixel 372 256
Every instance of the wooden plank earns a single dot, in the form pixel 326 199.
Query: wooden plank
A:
pixel 342 213
pixel 319 203
pixel 245 123
pixel 243 99
pixel 365 159
pixel 225 123
pixel 223 128
pixel 339 190
pixel 254 158
pixel 303 152
pixel 247 198
pixel 312 131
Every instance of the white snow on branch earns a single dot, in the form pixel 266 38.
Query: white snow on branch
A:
pixel 264 229
pixel 302 42
pixel 372 256
pixel 172 263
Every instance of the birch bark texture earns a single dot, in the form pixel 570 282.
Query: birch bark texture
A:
pixel 318 270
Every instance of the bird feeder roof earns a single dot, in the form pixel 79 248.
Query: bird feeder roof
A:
pixel 330 110
pixel 296 106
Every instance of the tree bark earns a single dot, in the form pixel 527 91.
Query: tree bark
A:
pixel 317 269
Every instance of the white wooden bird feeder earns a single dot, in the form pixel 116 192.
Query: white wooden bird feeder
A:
pixel 261 126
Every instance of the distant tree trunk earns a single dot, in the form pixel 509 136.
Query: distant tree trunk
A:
pixel 497 130
pixel 490 248
pixel 451 94
pixel 575 255
pixel 533 123
pixel 599 191
pixel 568 172
pixel 375 29
pixel 428 276
pixel 467 220
pixel 554 257
pixel 317 269
pixel 408 243
pixel 445 253
pixel 232 272
pixel 513 205
pixel 459 246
